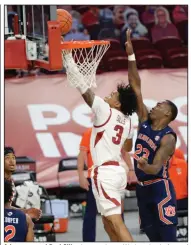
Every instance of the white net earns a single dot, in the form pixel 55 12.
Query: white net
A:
pixel 81 64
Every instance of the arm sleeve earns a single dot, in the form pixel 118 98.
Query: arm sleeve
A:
pixel 101 110
pixel 85 141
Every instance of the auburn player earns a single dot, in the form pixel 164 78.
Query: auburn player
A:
pixel 9 169
pixel 112 130
pixel 154 147
pixel 18 226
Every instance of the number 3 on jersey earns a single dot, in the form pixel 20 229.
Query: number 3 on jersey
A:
pixel 119 131
pixel 139 150
pixel 12 233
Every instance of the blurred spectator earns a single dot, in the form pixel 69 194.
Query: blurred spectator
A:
pixel 106 18
pixel 180 13
pixel 118 12
pixel 90 20
pixel 148 15
pixel 163 26
pixel 178 172
pixel 91 16
pixel 132 22
pixel 129 10
pixel 76 16
pixel 78 32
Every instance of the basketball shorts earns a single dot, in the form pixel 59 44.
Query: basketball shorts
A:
pixel 108 185
pixel 156 202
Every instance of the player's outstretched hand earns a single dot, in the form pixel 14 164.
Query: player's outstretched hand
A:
pixel 84 183
pixel 34 213
pixel 128 44
pixel 142 163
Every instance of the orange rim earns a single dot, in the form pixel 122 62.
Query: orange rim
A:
pixel 82 44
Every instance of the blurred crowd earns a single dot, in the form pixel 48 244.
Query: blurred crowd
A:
pixel 159 34
pixel 153 22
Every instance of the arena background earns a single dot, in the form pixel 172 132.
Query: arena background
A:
pixel 45 118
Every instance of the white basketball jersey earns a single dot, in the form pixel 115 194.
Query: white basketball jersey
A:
pixel 111 129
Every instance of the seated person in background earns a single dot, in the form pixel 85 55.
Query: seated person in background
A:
pixel 90 20
pixel 91 16
pixel 18 226
pixel 78 32
pixel 106 18
pixel 148 15
pixel 163 26
pixel 118 17
pixel 178 173
pixel 180 13
pixel 132 22
pixel 77 16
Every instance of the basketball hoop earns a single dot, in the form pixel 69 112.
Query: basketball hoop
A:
pixel 81 59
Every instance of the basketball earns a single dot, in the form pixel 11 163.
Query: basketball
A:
pixel 65 20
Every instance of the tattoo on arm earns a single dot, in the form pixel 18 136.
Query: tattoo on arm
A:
pixel 89 97
pixel 165 151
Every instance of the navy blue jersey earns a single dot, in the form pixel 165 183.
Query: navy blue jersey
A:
pixel 15 226
pixel 147 144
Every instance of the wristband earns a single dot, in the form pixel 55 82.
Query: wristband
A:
pixel 131 57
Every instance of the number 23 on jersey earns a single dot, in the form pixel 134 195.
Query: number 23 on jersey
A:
pixel 139 150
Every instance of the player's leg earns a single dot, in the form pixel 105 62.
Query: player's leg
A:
pixel 115 193
pixel 89 223
pixel 168 233
pixel 116 223
pixel 166 211
pixel 109 229
pixel 108 225
pixel 147 213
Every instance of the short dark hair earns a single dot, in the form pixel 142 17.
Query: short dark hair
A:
pixel 8 149
pixel 8 191
pixel 174 109
pixel 127 98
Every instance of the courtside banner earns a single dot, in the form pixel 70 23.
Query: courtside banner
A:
pixel 45 118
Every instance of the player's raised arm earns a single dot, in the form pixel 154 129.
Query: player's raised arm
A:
pixel 134 79
pixel 78 79
pixel 89 97
pixel 163 154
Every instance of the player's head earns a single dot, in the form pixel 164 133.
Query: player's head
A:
pixel 8 191
pixel 123 99
pixel 165 109
pixel 10 160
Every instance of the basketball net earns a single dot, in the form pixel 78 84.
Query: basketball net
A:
pixel 81 60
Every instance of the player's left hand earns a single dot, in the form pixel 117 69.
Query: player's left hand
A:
pixel 34 213
pixel 131 177
pixel 142 163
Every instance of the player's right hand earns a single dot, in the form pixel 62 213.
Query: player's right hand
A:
pixel 128 44
pixel 84 183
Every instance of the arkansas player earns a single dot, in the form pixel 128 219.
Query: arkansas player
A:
pixel 112 131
